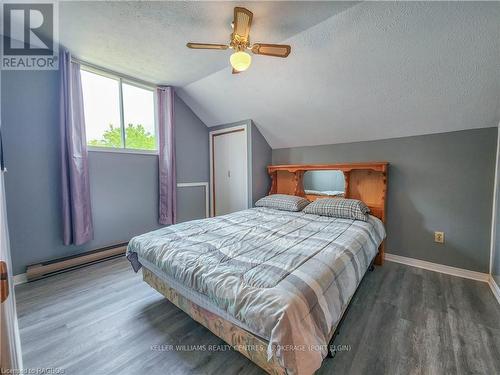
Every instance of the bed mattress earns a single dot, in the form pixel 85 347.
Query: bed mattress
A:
pixel 284 276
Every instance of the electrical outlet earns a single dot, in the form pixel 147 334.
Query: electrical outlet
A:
pixel 439 237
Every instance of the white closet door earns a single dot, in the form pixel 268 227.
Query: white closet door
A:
pixel 230 171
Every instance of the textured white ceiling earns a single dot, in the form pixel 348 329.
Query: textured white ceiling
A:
pixel 147 39
pixel 357 71
pixel 373 71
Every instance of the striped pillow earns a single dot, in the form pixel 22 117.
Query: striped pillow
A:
pixel 283 202
pixel 339 207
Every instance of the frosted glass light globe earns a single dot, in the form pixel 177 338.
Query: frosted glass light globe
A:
pixel 240 61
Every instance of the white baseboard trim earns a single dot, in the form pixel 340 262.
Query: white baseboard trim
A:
pixel 20 279
pixel 494 288
pixel 460 272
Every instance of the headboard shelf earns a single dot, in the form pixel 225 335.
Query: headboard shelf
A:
pixel 364 181
pixel 378 166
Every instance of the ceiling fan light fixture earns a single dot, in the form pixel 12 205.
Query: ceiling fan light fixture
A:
pixel 240 61
pixel 240 43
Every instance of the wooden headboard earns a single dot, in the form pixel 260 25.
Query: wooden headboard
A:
pixel 364 181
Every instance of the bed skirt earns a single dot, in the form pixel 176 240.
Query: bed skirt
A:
pixel 251 346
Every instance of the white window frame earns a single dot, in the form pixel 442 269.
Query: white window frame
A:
pixel 121 80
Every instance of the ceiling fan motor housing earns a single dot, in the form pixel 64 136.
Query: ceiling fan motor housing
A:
pixel 239 43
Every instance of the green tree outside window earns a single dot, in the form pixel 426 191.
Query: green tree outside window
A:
pixel 136 137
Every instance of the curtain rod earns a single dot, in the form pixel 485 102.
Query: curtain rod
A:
pixel 112 72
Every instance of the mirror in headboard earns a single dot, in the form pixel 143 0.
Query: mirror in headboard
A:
pixel 323 184
pixel 364 181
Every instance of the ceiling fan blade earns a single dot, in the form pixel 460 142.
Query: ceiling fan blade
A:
pixel 277 50
pixel 242 21
pixel 206 46
pixel 235 71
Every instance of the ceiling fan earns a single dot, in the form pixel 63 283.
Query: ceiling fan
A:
pixel 240 42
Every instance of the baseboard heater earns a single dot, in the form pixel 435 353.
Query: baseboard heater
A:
pixel 55 266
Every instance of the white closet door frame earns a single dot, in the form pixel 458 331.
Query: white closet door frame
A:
pixel 211 136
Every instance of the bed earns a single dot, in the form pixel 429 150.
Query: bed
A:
pixel 273 284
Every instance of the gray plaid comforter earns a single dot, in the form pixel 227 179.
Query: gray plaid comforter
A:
pixel 286 275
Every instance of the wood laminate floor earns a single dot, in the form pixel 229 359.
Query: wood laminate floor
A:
pixel 103 319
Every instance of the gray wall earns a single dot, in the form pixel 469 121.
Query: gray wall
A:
pixel 123 186
pixel 261 158
pixel 191 145
pixel 441 182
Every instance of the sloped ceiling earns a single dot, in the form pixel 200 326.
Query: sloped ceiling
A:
pixel 357 71
pixel 374 71
pixel 147 39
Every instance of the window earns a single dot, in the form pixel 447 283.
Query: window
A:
pixel 138 113
pixel 101 104
pixel 119 114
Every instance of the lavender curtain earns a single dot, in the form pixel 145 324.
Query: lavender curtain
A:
pixel 166 155
pixel 77 211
